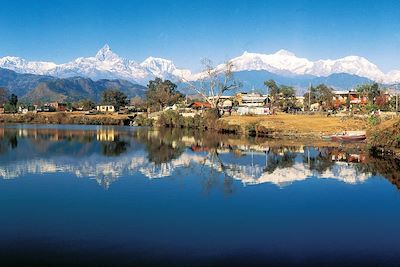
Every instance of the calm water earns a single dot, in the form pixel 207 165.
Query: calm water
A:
pixel 78 195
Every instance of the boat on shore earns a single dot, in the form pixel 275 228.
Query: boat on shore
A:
pixel 346 136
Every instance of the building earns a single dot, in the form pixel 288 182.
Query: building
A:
pixel 1 110
pixel 342 98
pixel 58 106
pixel 251 99
pixel 105 108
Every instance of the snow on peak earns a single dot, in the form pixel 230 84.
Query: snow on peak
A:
pixel 284 52
pixel 105 54
pixel 107 64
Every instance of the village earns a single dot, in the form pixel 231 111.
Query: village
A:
pixel 242 103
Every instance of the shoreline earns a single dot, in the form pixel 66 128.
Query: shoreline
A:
pixel 296 127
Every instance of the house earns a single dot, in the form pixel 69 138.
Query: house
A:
pixel 1 110
pixel 251 99
pixel 23 110
pixel 58 106
pixel 105 108
pixel 350 97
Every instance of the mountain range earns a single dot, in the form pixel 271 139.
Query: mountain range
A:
pixel 87 77
pixel 108 65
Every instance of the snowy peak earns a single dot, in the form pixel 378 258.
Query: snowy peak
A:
pixel 158 65
pixel 284 53
pixel 281 62
pixel 105 54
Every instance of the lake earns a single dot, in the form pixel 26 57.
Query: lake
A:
pixel 120 196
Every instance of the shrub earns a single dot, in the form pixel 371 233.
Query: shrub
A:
pixel 374 120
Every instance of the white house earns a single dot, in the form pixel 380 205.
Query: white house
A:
pixel 105 108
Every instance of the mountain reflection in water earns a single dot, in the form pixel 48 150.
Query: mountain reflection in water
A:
pixel 180 198
pixel 108 153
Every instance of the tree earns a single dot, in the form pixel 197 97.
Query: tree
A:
pixel 322 95
pixel 114 97
pixel 3 96
pixel 214 82
pixel 287 97
pixel 162 93
pixel 84 104
pixel 273 90
pixel 371 91
pixel 13 100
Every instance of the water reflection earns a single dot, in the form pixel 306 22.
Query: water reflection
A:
pixel 107 153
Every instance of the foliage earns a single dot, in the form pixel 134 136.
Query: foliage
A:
pixel 161 94
pixel 320 94
pixel 115 98
pixel 172 119
pixel 370 107
pixel 374 120
pixel 13 100
pixel 287 96
pixel 143 121
pixel 8 108
pixel 84 104
pixel 371 91
pixel 282 96
pixel 273 90
pixel 138 103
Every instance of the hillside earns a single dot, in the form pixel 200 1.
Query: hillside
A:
pixel 39 88
pixel 20 84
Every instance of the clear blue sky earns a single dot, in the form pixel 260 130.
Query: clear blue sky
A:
pixel 186 31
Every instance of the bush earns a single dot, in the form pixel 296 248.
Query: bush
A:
pixel 374 120
pixel 144 121
pixel 173 119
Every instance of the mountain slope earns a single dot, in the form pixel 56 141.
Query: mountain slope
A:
pixel 31 87
pixel 76 88
pixel 18 83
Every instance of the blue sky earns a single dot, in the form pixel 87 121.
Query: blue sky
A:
pixel 187 31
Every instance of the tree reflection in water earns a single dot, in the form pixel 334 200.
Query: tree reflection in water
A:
pixel 114 148
pixel 8 140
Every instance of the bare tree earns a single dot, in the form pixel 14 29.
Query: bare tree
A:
pixel 214 82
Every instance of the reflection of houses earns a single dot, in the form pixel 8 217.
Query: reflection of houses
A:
pixel 105 108
pixel 105 135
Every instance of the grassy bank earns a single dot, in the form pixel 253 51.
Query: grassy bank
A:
pixel 293 125
pixel 65 118
pixel 386 137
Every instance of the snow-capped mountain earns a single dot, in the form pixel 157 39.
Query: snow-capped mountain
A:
pixel 108 65
pixel 20 65
pixel 285 62
pixel 104 65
